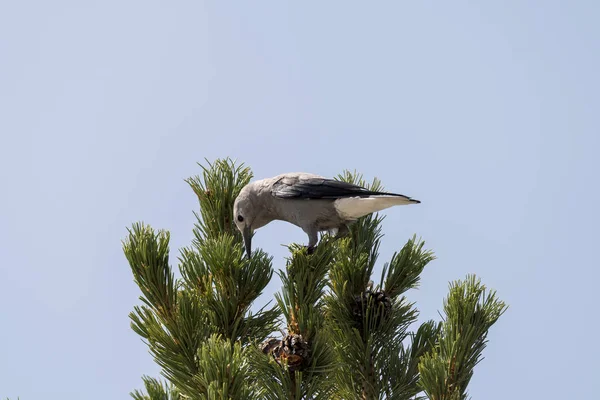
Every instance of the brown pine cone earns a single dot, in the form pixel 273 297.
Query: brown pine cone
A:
pixel 378 302
pixel 295 350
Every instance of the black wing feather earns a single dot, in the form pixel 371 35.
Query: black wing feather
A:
pixel 320 188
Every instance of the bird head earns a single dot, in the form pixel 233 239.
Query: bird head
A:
pixel 244 214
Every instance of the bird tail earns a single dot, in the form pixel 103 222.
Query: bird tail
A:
pixel 401 199
pixel 356 207
pixel 389 200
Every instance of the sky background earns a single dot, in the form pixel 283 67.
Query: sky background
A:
pixel 487 113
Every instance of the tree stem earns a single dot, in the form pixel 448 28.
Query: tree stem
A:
pixel 293 386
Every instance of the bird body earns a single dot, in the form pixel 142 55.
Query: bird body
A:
pixel 311 202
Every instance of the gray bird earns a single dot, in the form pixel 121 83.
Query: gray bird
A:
pixel 311 202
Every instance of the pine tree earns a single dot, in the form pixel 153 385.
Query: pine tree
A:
pixel 332 333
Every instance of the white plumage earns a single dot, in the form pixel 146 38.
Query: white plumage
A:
pixel 355 207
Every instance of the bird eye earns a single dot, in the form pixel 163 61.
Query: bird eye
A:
pixel 240 218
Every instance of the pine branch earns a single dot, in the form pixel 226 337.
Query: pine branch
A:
pixel 180 318
pixel 223 370
pixel 370 324
pixel 404 270
pixel 297 365
pixel 217 190
pixel 157 390
pixel 403 362
pixel 470 312
pixel 172 322
pixel 148 256
pixel 355 266
pixel 229 283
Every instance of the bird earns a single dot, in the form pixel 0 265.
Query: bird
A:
pixel 311 202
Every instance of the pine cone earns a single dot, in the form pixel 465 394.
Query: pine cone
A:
pixel 270 345
pixel 378 302
pixel 293 348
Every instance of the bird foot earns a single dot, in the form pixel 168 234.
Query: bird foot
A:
pixel 310 249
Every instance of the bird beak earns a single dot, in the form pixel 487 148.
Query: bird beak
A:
pixel 247 234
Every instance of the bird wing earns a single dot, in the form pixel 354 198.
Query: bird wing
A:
pixel 307 186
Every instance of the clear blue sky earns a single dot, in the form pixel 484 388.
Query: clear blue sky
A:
pixel 489 114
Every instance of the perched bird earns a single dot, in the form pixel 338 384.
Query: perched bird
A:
pixel 311 202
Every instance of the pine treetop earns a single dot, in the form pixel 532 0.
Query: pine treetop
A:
pixel 332 333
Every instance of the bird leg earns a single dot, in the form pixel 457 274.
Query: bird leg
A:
pixel 313 238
